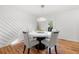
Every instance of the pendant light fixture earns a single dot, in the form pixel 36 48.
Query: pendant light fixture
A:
pixel 42 6
pixel 42 24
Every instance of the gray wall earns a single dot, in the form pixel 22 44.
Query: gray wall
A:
pixel 67 23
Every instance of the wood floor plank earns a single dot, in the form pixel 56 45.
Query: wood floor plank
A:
pixel 64 47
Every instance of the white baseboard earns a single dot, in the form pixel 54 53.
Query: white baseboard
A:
pixel 74 40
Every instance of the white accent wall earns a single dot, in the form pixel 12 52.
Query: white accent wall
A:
pixel 12 22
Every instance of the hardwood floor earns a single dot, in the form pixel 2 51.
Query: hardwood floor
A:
pixel 69 47
pixel 64 47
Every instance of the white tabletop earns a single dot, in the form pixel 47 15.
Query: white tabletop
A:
pixel 40 34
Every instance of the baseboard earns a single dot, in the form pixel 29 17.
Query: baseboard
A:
pixel 69 40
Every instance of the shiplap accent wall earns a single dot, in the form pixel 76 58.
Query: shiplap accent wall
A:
pixel 8 30
pixel 12 23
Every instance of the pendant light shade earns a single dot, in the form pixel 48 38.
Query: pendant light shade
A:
pixel 42 24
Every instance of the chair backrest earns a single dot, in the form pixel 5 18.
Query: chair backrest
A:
pixel 26 39
pixel 54 37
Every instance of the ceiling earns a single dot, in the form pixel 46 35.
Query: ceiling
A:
pixel 47 10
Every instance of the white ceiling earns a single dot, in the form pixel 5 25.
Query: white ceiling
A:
pixel 47 10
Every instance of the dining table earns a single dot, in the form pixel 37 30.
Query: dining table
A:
pixel 40 35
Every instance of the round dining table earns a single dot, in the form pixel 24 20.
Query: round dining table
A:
pixel 40 35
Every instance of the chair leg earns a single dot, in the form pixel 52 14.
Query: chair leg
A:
pixel 55 49
pixel 24 49
pixel 49 50
pixel 28 50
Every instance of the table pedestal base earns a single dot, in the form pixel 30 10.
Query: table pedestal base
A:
pixel 40 46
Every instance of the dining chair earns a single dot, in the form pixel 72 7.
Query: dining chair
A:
pixel 52 42
pixel 29 42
